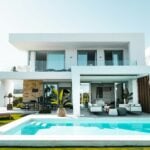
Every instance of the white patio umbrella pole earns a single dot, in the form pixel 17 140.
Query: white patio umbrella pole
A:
pixel 115 94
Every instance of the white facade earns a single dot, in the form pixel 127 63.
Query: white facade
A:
pixel 125 53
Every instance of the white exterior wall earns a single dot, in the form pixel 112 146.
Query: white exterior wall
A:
pixel 74 57
pixel 7 86
pixel 32 60
pixel 70 58
pixel 126 56
pixel 135 91
pixel 133 87
pixel 100 57
pixel 137 50
pixel 2 94
pixel 76 93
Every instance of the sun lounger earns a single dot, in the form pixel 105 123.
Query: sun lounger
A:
pixel 131 107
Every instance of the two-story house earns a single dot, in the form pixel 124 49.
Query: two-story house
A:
pixel 103 64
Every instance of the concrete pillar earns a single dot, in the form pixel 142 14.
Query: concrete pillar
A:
pixel 2 101
pixel 135 91
pixel 124 88
pixel 115 94
pixel 76 93
pixel 32 60
pixel 7 86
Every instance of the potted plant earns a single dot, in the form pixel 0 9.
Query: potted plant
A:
pixel 61 100
pixel 61 112
pixel 9 105
pixel 64 100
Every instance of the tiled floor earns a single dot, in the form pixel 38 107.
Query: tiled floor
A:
pixel 84 113
pixel 3 110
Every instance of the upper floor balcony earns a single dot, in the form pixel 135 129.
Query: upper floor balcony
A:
pixel 42 66
pixel 60 60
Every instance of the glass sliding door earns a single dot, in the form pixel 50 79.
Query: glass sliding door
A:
pixel 56 60
pixel 40 61
pixel 115 60
pixel 114 57
pixel 87 57
pixel 108 58
pixel 82 58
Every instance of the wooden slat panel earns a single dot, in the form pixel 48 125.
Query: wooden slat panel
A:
pixel 144 93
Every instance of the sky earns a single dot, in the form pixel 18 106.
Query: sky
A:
pixel 69 16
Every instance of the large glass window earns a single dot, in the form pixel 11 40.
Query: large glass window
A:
pixel 40 63
pixel 56 60
pixel 87 57
pixel 99 92
pixel 82 58
pixel 113 57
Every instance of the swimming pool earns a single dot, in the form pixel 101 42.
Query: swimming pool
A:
pixel 79 127
pixel 45 130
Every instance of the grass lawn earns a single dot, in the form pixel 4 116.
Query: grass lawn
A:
pixel 78 148
pixel 5 120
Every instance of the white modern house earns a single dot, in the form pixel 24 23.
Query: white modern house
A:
pixel 107 63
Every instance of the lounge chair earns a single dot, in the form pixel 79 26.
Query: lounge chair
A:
pixel 131 107
pixel 134 108
pixel 97 107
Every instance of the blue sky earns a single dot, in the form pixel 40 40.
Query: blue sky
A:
pixel 60 16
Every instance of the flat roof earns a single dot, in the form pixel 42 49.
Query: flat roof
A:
pixel 38 41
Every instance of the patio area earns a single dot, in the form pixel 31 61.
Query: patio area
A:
pixel 84 113
pixel 4 111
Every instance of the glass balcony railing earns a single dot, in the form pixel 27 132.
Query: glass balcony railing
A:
pixel 54 66
pixel 87 63
pixel 41 66
pixel 120 63
pixel 107 63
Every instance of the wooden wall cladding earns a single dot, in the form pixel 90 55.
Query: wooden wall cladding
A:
pixel 144 93
pixel 28 85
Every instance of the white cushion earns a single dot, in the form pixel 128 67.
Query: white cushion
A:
pixel 113 112
pixel 100 103
pixel 95 109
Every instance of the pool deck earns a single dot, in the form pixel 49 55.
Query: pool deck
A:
pixel 3 110
pixel 73 140
pixel 84 113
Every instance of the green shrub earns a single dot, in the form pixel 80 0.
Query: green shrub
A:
pixel 17 100
pixel 20 105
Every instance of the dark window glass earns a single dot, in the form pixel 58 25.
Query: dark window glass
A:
pixel 113 57
pixel 99 92
pixel 40 63
pixel 86 58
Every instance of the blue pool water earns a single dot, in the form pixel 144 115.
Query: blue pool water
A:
pixel 79 127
